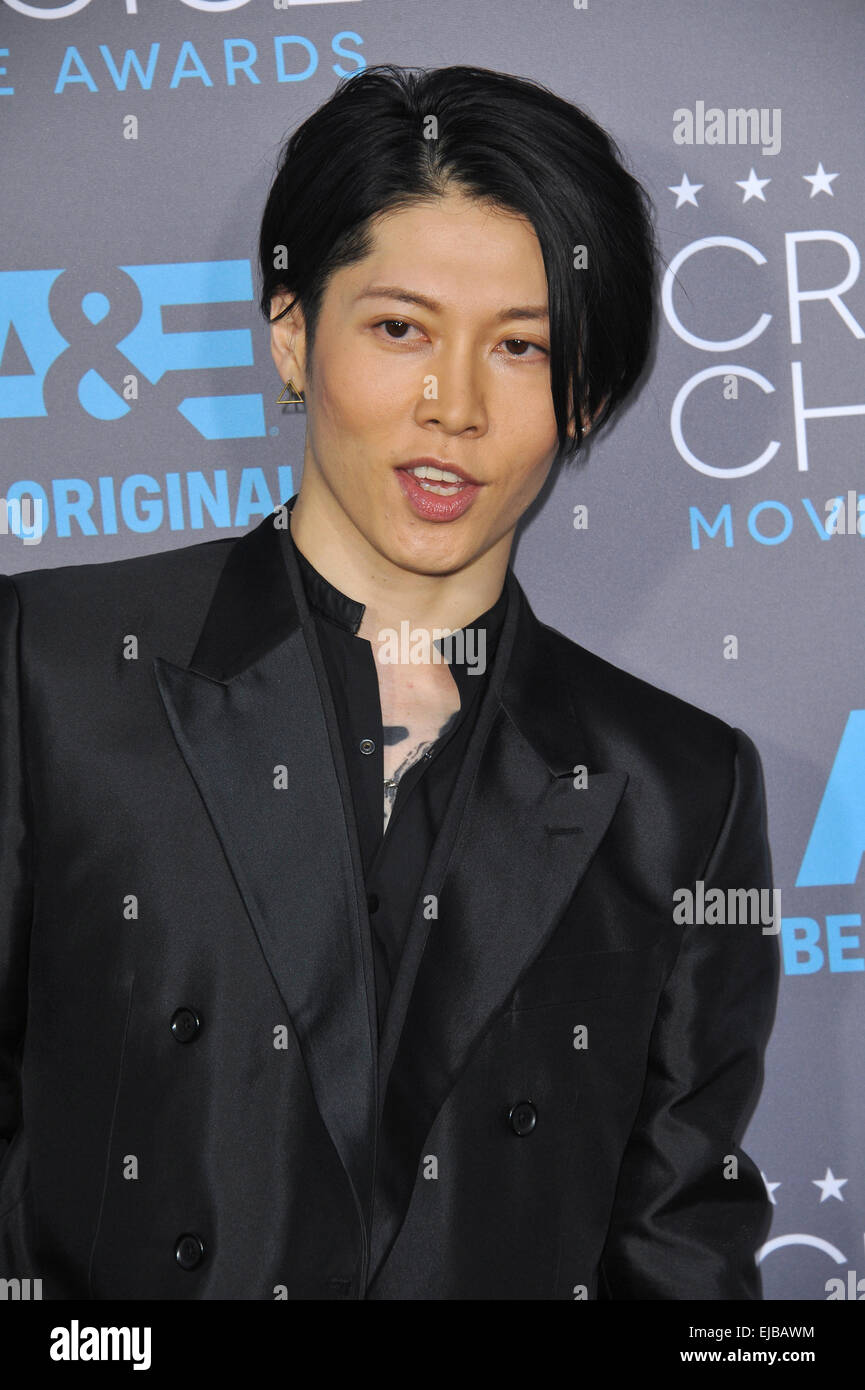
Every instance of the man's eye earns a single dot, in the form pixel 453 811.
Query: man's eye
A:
pixel 401 327
pixel 396 323
pixel 522 344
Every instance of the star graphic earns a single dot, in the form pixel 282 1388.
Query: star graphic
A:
pixel 830 1186
pixel 685 191
pixel 770 1187
pixel 820 181
pixel 753 187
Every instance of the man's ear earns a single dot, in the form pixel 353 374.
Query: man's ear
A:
pixel 288 339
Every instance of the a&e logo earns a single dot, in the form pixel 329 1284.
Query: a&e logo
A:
pixel 63 346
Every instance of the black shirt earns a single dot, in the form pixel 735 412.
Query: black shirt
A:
pixel 394 859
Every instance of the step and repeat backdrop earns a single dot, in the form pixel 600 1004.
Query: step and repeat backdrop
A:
pixel 712 542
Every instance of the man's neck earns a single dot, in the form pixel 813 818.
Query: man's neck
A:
pixel 332 544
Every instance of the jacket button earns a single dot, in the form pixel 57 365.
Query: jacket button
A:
pixel 372 903
pixel 523 1117
pixel 185 1025
pixel 189 1251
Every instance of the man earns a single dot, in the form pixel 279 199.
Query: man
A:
pixel 335 967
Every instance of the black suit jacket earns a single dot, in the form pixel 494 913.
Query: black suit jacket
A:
pixel 194 1102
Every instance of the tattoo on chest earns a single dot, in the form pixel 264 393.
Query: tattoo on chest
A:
pixel 395 734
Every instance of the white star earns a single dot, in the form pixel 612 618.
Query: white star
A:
pixel 753 187
pixel 830 1186
pixel 820 181
pixel 685 191
pixel 770 1187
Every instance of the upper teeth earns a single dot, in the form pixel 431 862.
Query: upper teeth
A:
pixel 436 475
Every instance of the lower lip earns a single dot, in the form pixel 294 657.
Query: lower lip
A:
pixel 432 507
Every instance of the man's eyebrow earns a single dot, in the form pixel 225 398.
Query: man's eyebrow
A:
pixel 518 311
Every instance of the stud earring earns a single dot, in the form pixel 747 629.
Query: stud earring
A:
pixel 296 399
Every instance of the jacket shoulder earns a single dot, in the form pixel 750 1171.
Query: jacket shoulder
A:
pixel 628 716
pixel 100 576
pixel 69 608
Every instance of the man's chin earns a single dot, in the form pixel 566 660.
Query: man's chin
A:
pixel 430 560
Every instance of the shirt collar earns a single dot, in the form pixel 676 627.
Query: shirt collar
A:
pixel 465 654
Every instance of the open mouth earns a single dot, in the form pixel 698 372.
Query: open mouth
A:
pixel 435 492
pixel 441 481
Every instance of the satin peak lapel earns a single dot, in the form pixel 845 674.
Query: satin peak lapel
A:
pixel 517 841
pixel 249 704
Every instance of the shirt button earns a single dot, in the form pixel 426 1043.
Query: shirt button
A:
pixel 367 745
pixel 372 902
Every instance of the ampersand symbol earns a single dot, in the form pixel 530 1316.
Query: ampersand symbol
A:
pixel 93 310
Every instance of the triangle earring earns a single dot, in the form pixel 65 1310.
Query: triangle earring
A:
pixel 296 398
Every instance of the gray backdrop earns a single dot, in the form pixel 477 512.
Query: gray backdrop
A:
pixel 689 542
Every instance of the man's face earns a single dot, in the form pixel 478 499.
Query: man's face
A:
pixel 464 380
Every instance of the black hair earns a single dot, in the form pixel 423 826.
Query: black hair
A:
pixel 502 139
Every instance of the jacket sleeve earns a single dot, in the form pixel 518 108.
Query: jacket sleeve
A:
pixel 16 898
pixel 687 1220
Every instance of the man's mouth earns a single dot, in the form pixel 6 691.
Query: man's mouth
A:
pixel 441 481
